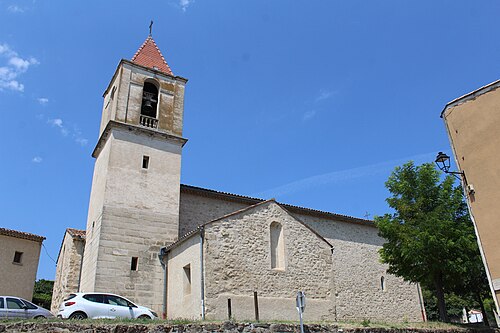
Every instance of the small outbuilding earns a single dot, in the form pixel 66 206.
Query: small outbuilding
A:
pixel 19 255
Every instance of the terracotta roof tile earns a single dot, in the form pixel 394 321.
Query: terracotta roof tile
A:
pixel 76 232
pixel 21 234
pixel 149 55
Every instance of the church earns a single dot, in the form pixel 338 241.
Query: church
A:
pixel 196 253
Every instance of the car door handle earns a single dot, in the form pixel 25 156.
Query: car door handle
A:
pixel 112 310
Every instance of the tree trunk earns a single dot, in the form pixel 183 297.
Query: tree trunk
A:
pixel 483 310
pixel 438 284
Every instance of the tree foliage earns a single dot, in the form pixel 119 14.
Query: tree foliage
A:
pixel 42 293
pixel 430 237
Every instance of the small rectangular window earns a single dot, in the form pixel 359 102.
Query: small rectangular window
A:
pixel 133 263
pixel 145 162
pixel 18 256
pixel 187 279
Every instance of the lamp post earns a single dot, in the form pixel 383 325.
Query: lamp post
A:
pixel 443 163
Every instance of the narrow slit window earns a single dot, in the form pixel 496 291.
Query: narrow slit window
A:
pixel 277 246
pixel 18 257
pixel 133 263
pixel 187 279
pixel 382 283
pixel 145 162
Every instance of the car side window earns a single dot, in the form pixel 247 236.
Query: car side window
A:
pixel 14 303
pixel 115 300
pixel 1 302
pixel 96 298
pixel 29 305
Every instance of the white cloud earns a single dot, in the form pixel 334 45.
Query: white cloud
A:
pixel 43 100
pixel 74 133
pixel 15 9
pixel 324 94
pixel 185 4
pixel 37 159
pixel 11 85
pixel 56 122
pixel 309 114
pixel 81 141
pixel 13 67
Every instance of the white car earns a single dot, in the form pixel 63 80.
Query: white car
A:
pixel 101 305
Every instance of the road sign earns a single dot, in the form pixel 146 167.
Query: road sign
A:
pixel 300 301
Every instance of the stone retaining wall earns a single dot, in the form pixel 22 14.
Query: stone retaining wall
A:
pixel 227 327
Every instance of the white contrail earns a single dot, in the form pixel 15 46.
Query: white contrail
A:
pixel 342 175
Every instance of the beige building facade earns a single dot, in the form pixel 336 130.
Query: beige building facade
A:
pixel 219 246
pixel 473 125
pixel 19 255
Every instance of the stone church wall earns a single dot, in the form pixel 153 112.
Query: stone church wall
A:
pixel 197 209
pixel 68 270
pixel 238 263
pixel 358 274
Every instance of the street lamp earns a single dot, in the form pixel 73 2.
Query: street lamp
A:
pixel 443 163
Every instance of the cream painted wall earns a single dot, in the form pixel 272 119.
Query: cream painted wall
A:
pixel 181 304
pixel 18 279
pixel 473 125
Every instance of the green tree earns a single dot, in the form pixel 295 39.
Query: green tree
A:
pixel 42 293
pixel 430 235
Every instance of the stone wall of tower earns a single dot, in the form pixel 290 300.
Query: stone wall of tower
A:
pixel 139 215
pixel 123 98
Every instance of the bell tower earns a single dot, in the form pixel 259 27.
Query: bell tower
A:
pixel 134 201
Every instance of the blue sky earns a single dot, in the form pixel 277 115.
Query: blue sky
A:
pixel 310 102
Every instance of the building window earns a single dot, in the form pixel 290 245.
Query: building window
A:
pixel 18 257
pixel 145 162
pixel 382 283
pixel 133 263
pixel 187 279
pixel 277 246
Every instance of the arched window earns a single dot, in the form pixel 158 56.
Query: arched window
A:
pixel 149 100
pixel 277 246
pixel 382 283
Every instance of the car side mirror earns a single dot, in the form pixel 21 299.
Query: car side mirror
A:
pixel 24 307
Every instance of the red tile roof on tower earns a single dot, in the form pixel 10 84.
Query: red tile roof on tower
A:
pixel 149 55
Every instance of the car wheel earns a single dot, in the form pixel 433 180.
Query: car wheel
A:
pixel 39 317
pixel 144 317
pixel 78 316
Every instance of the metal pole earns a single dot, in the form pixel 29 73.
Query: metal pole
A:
pixel 229 312
pixel 256 305
pixel 301 323
pixel 165 291
pixel 202 275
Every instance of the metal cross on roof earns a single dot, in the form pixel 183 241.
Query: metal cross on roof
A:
pixel 151 28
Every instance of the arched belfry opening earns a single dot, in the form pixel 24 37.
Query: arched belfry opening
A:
pixel 149 106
